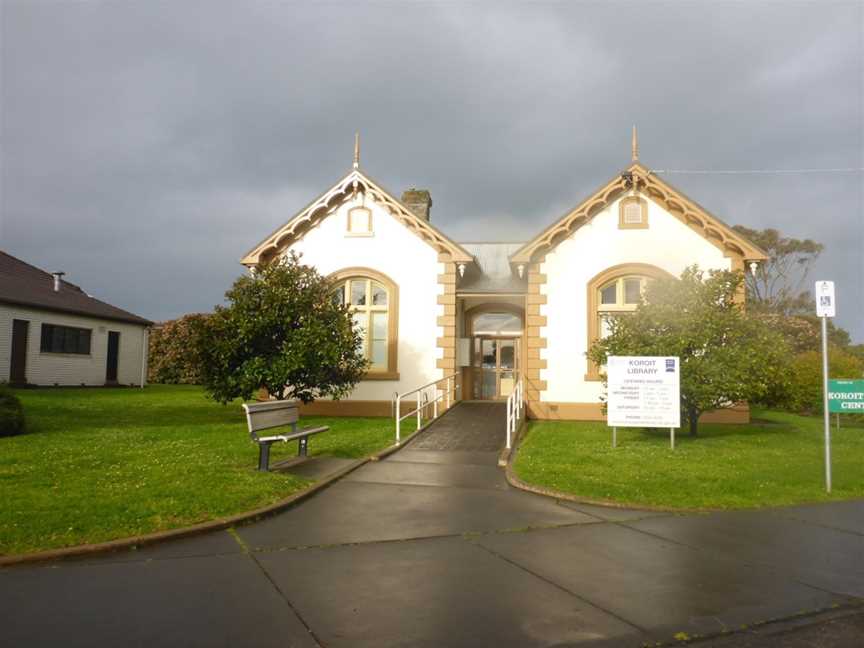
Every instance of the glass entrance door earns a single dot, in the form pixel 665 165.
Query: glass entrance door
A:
pixel 496 366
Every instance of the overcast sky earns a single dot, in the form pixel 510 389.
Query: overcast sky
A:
pixel 146 146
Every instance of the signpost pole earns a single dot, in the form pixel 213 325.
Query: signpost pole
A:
pixel 614 437
pixel 672 437
pixel 827 415
pixel 825 308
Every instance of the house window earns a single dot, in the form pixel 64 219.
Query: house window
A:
pixel 633 213
pixel 615 291
pixel 372 298
pixel 359 222
pixel 65 339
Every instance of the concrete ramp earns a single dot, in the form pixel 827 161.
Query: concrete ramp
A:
pixel 468 427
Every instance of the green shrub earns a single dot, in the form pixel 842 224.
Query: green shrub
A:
pixel 11 413
pixel 805 378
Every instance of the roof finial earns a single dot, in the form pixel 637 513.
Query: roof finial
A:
pixel 635 145
pixel 356 150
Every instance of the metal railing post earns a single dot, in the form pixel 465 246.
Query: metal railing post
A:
pixel 398 417
pixel 519 399
pixel 509 418
pixel 423 395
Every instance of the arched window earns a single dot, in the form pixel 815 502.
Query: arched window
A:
pixel 615 291
pixel 620 295
pixel 373 300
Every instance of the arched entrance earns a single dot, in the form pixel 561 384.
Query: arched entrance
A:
pixel 496 332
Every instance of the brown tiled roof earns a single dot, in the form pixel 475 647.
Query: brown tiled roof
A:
pixel 27 285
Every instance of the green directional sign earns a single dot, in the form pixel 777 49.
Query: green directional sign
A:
pixel 846 396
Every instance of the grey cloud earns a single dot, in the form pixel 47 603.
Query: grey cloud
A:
pixel 146 146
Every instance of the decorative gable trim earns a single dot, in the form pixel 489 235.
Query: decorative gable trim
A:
pixel 646 184
pixel 327 202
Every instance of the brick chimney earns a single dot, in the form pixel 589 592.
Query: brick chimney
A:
pixel 418 201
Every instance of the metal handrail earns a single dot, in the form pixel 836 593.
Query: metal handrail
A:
pixel 423 401
pixel 515 410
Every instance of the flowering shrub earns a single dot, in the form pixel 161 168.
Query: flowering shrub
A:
pixel 173 357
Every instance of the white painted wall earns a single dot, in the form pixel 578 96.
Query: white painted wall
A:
pixel 596 246
pixel 71 368
pixel 411 264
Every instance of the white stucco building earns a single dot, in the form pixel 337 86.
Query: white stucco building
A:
pixel 489 313
pixel 54 333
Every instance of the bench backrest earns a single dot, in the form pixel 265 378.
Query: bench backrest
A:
pixel 270 414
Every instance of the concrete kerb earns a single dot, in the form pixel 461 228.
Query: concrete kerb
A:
pixel 183 532
pixel 506 453
pixel 769 628
pixel 515 482
pixel 213 525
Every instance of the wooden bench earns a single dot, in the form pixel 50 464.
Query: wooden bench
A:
pixel 271 414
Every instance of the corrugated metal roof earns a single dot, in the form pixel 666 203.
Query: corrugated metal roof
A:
pixel 27 285
pixel 495 274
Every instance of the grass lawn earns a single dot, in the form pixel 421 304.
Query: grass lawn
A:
pixel 776 460
pixel 102 464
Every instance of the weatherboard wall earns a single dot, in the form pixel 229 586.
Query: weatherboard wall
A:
pixel 71 368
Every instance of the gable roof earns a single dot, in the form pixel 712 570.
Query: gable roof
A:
pixel 27 285
pixel 648 184
pixel 322 206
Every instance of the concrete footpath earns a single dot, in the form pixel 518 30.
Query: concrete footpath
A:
pixel 431 547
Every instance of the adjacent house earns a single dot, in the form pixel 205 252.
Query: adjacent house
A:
pixel 493 313
pixel 54 333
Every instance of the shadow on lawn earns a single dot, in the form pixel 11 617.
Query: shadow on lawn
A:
pixel 718 431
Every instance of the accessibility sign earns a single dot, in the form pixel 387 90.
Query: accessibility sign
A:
pixel 825 304
pixel 846 396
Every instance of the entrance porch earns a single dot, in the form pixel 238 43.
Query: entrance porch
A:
pixel 491 352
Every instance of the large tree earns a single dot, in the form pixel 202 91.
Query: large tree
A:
pixel 781 292
pixel 726 355
pixel 281 331
pixel 780 283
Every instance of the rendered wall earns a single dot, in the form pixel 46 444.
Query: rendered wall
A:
pixel 412 265
pixel 667 244
pixel 72 368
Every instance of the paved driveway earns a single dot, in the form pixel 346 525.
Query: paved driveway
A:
pixel 432 548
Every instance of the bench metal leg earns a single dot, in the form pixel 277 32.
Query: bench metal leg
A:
pixel 302 446
pixel 264 457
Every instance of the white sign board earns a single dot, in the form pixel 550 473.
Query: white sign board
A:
pixel 825 305
pixel 644 391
